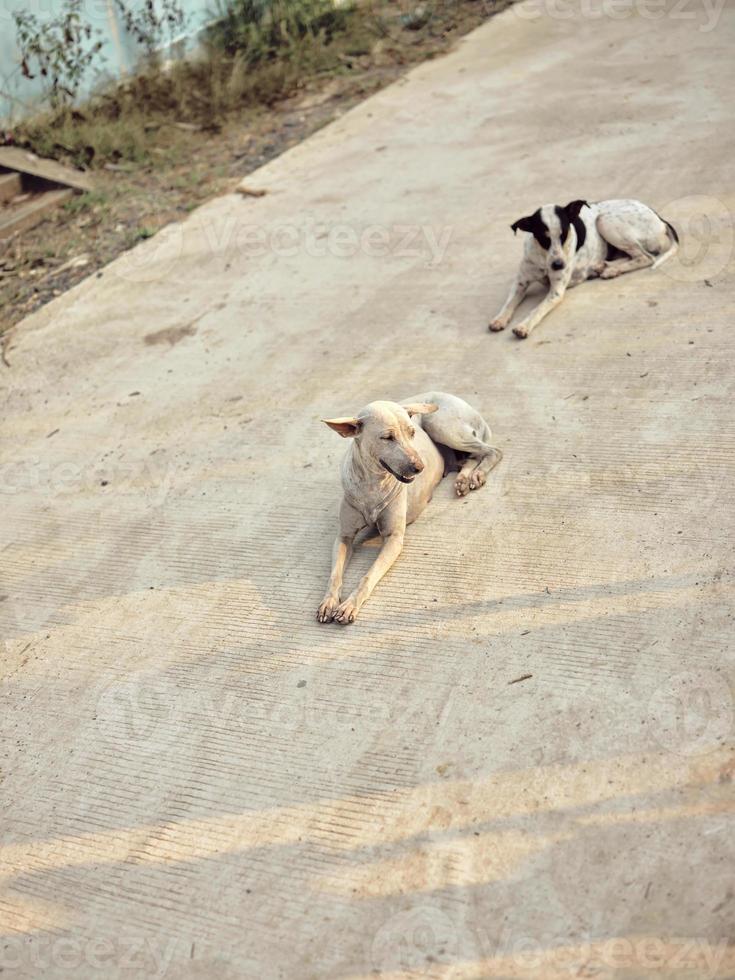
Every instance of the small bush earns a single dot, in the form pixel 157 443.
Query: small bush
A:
pixel 261 30
pixel 152 24
pixel 61 50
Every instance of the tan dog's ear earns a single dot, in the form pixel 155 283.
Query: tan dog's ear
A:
pixel 347 428
pixel 421 408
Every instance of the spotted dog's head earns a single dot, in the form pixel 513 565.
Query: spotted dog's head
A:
pixel 550 225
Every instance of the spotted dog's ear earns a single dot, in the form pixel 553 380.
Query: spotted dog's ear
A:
pixel 421 408
pixel 524 224
pixel 536 226
pixel 574 207
pixel 348 428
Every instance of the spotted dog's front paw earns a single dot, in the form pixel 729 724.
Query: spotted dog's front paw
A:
pixel 462 485
pixel 346 612
pixel 497 325
pixel 477 479
pixel 325 612
pixel 521 331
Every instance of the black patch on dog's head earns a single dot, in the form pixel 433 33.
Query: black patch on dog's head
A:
pixel 564 221
pixel 572 212
pixel 535 225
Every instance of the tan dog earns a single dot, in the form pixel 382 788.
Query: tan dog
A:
pixel 389 474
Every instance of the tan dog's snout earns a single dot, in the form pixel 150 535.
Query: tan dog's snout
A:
pixel 408 459
pixel 413 466
pixel 402 461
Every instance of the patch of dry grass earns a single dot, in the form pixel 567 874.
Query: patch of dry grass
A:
pixel 242 67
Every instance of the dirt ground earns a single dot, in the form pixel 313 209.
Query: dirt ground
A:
pixel 190 165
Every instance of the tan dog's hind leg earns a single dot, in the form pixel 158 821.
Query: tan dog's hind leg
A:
pixel 462 482
pixel 340 556
pixel 461 427
pixel 473 474
pixel 481 470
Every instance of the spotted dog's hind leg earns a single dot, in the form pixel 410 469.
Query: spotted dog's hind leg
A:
pixel 639 259
pixel 640 234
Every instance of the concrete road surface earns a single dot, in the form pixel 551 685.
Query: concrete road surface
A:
pixel 519 761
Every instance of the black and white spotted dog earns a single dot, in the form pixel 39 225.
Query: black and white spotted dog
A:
pixel 567 245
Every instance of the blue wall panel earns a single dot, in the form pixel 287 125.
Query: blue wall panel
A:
pixel 117 57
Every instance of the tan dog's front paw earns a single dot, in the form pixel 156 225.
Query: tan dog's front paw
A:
pixel 346 613
pixel 462 486
pixel 608 272
pixel 521 331
pixel 325 612
pixel 497 325
pixel 477 479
